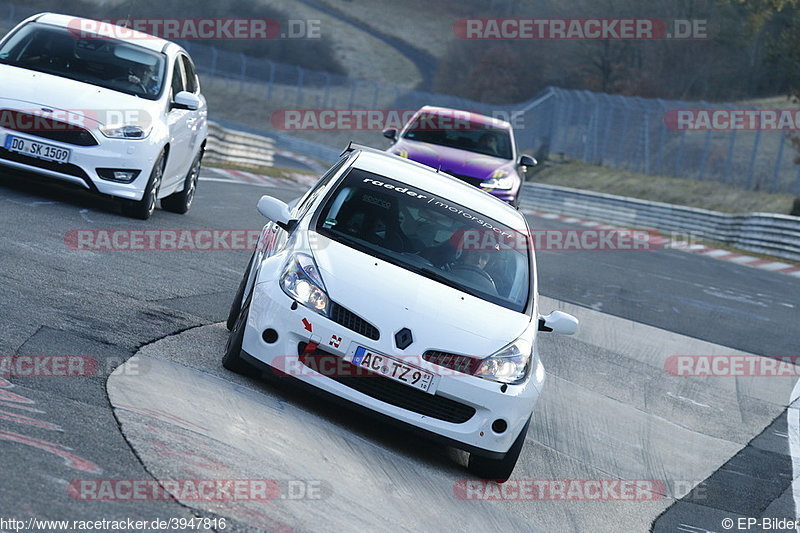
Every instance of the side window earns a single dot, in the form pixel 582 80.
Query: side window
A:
pixel 312 195
pixel 177 78
pixel 191 75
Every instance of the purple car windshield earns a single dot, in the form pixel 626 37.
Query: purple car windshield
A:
pixel 469 136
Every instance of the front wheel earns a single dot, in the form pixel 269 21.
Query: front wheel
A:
pixel 498 470
pixel 236 305
pixel 144 208
pixel 181 201
pixel 232 360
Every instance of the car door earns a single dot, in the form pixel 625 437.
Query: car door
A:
pixel 180 132
pixel 197 121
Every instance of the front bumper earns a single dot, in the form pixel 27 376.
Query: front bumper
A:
pixel 272 309
pixel 85 160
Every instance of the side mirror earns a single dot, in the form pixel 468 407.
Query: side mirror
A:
pixel 390 133
pixel 527 161
pixel 560 322
pixel 186 100
pixel 276 211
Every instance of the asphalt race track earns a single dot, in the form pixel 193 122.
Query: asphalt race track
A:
pixel 715 447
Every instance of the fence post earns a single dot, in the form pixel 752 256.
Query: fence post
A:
pixel 591 126
pixel 797 181
pixel 300 76
pixel 661 138
pixel 646 140
pixel 676 170
pixel 327 92
pixel 776 171
pixel 375 95
pixel 729 161
pixel 625 123
pixel 271 79
pixel 214 55
pixel 576 136
pixel 552 130
pixel 610 115
pixel 242 71
pixel 753 156
pixel 352 98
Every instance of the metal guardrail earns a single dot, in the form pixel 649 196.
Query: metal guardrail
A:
pixel 229 147
pixel 777 235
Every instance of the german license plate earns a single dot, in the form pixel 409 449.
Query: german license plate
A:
pixel 394 369
pixel 37 149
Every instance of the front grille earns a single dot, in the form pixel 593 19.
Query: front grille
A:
pixel 46 128
pixel 476 182
pixel 62 168
pixel 385 389
pixel 460 363
pixel 353 322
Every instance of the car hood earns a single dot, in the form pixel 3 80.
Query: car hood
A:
pixel 30 91
pixel 391 298
pixel 452 160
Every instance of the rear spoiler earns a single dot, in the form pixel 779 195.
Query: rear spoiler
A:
pixel 353 147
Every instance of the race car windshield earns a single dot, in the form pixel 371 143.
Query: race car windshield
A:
pixel 100 61
pixel 464 135
pixel 429 235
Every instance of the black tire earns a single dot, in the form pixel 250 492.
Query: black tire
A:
pixel 144 208
pixel 236 305
pixel 232 360
pixel 180 202
pixel 498 470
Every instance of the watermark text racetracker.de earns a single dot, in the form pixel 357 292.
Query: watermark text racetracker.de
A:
pixel 380 119
pixel 116 240
pixel 68 366
pixel 70 120
pixel 208 29
pixel 561 490
pixel 732 119
pixel 721 366
pixel 579 29
pixel 209 490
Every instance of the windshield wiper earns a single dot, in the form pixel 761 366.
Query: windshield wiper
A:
pixel 360 246
pixel 436 275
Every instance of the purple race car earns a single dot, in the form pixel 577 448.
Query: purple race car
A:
pixel 475 148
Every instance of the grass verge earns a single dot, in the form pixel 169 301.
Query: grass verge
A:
pixel 703 194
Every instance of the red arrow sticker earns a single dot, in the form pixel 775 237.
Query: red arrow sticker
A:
pixel 307 324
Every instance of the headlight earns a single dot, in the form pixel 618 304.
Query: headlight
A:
pixel 500 180
pixel 302 282
pixel 125 131
pixel 509 365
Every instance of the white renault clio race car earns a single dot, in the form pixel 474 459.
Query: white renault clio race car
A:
pixel 405 291
pixel 106 108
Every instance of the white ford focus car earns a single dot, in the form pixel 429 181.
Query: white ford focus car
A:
pixel 119 117
pixel 405 291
